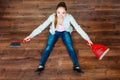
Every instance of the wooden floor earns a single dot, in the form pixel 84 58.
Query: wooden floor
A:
pixel 99 18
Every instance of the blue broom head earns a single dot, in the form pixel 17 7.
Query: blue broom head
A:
pixel 15 44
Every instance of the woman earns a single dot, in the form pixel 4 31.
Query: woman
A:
pixel 60 27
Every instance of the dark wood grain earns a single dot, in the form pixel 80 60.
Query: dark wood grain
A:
pixel 99 18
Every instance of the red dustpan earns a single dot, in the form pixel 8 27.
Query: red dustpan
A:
pixel 99 50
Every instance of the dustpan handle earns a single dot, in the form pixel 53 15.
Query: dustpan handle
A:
pixel 88 43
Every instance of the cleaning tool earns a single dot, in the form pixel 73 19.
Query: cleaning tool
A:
pixel 16 43
pixel 99 50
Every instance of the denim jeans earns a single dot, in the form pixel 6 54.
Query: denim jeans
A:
pixel 52 39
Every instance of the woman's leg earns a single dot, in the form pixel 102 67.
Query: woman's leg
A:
pixel 66 37
pixel 49 46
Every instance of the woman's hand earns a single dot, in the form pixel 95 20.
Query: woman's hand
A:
pixel 89 42
pixel 27 39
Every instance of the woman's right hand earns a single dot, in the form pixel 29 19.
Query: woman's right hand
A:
pixel 27 39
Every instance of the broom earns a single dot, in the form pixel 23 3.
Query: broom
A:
pixel 16 42
pixel 99 50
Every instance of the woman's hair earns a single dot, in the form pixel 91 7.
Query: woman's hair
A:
pixel 61 4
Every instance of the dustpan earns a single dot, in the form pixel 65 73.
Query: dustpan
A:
pixel 99 50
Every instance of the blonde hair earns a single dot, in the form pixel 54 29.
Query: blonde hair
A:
pixel 55 20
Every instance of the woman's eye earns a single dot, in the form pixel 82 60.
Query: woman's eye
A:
pixel 58 12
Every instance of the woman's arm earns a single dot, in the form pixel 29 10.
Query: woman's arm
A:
pixel 40 28
pixel 80 30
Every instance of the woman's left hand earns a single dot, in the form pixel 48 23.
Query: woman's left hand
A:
pixel 90 42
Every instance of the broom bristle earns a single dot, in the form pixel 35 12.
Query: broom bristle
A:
pixel 15 44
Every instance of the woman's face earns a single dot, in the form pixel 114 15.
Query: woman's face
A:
pixel 61 12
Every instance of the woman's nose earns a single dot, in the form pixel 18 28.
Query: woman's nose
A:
pixel 61 15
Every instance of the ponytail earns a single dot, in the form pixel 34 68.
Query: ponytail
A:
pixel 55 20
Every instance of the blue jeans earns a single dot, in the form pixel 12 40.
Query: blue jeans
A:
pixel 52 39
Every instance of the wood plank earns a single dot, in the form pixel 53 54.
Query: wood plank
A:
pixel 98 18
